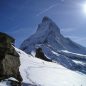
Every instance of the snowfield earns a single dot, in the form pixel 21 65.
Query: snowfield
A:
pixel 42 73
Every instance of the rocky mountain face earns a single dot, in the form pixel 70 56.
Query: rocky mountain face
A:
pixel 54 45
pixel 48 33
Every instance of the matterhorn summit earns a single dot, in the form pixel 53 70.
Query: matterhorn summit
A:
pixel 55 46
pixel 49 25
pixel 48 33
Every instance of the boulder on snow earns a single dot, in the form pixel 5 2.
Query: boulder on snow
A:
pixel 40 54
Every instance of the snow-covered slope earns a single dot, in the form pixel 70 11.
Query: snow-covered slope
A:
pixel 54 45
pixel 41 73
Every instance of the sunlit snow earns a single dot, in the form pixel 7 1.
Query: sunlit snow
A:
pixel 37 71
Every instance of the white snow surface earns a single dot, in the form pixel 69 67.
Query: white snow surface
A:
pixel 42 73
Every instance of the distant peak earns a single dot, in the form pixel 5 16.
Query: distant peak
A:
pixel 45 18
pixel 48 26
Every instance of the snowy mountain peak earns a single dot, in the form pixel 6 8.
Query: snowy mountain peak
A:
pixel 49 38
pixel 46 19
pixel 48 26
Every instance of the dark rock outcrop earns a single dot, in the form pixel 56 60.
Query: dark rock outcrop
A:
pixel 10 65
pixel 40 54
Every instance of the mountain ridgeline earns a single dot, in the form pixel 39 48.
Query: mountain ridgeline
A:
pixel 55 46
pixel 48 33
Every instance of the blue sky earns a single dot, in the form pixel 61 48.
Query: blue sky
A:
pixel 20 18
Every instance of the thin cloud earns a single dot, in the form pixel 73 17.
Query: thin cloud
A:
pixel 47 9
pixel 68 30
pixel 80 39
